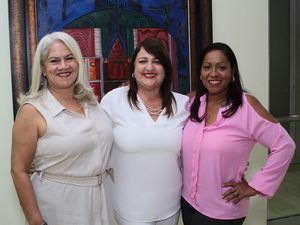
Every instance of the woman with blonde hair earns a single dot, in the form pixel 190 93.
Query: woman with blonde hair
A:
pixel 63 131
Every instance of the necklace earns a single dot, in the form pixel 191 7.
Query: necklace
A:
pixel 219 104
pixel 214 109
pixel 152 111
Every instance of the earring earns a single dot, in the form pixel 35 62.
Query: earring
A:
pixel 232 79
pixel 44 81
pixel 133 76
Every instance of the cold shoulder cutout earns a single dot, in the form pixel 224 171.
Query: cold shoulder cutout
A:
pixel 260 109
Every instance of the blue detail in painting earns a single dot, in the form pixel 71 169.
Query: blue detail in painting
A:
pixel 54 15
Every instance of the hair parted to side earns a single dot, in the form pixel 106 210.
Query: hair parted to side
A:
pixel 156 48
pixel 235 91
pixel 82 91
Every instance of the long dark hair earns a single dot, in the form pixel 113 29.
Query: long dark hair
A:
pixel 235 90
pixel 158 50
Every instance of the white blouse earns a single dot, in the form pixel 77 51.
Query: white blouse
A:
pixel 145 158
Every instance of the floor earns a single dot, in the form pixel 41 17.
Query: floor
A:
pixel 284 207
pixel 293 220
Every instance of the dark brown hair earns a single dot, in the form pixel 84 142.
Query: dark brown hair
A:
pixel 159 51
pixel 235 90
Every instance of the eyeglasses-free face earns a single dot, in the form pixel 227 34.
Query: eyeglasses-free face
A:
pixel 216 72
pixel 60 67
pixel 149 72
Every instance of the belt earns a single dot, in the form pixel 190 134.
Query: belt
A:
pixel 79 181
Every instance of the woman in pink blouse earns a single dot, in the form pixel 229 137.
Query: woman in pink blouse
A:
pixel 224 125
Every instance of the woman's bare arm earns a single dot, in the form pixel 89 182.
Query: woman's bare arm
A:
pixel 25 135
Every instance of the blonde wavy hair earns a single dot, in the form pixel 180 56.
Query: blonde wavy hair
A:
pixel 82 91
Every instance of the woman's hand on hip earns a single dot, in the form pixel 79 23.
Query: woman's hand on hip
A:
pixel 238 191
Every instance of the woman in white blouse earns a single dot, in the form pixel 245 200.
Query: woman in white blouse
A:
pixel 148 119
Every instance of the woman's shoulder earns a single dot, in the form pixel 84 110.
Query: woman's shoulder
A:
pixel 30 105
pixel 258 107
pixel 28 115
pixel 27 109
pixel 114 98
pixel 116 92
pixel 180 97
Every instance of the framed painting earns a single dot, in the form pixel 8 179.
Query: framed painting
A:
pixel 107 32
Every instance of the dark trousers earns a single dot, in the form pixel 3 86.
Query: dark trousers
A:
pixel 191 216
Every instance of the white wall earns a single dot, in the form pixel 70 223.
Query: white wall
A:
pixel 10 211
pixel 243 25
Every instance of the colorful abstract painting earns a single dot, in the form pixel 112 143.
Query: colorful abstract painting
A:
pixel 108 31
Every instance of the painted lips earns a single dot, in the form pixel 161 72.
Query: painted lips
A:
pixel 149 75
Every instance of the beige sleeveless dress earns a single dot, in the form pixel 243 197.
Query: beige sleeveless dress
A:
pixel 71 160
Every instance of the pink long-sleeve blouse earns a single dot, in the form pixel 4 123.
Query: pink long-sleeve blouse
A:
pixel 218 153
